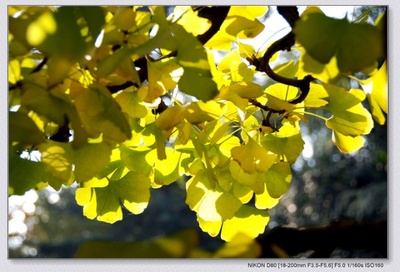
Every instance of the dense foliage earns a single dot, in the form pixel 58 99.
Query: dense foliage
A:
pixel 124 99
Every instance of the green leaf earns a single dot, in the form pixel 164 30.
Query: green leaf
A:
pixel 131 104
pixel 23 130
pixel 277 179
pixel 95 19
pixel 198 83
pixel 62 36
pixel 57 158
pixel 349 117
pixel 196 79
pixel 90 160
pixel 287 142
pixel 23 174
pixel 104 203
pixel 355 46
pixel 100 114
pixel 248 221
pixel 135 159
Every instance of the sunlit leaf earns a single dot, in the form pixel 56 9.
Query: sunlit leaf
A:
pixel 252 157
pixel 349 116
pixel 264 200
pixel 248 221
pixel 190 20
pixel 277 179
pixel 287 142
pixel 317 96
pixel 57 158
pixel 347 144
pixel 376 88
pixel 163 76
pixel 240 22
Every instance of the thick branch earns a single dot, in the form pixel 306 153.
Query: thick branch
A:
pixel 284 44
pixel 347 235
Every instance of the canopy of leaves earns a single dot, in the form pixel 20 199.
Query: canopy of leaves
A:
pixel 122 100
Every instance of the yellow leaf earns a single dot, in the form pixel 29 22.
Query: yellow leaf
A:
pixel 190 20
pixel 376 88
pixel 316 97
pixel 347 144
pixel 252 157
pixel 265 201
pixel 248 221
pixel 170 117
pixel 212 228
pixel 349 115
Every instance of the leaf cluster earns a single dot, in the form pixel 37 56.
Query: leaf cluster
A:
pixel 123 100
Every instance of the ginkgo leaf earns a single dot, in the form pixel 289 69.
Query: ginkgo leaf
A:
pixel 264 200
pixel 23 174
pixel 252 181
pixel 247 220
pixel 376 88
pixel 57 158
pixel 356 46
pixel 252 157
pixel 104 203
pixel 277 179
pixel 237 24
pixel 135 159
pixel 288 69
pixel 131 104
pixel 211 227
pixel 90 160
pixel 287 142
pixel 133 190
pixel 23 130
pixel 349 117
pixel 190 20
pixel 170 117
pixel 316 97
pixel 101 114
pixel 163 76
pixel 211 204
pixel 347 144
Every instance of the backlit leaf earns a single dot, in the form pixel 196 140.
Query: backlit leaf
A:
pixel 347 144
pixel 349 116
pixel 287 142
pixel 248 221
pixel 252 157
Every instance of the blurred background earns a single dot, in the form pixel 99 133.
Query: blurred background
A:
pixel 326 186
